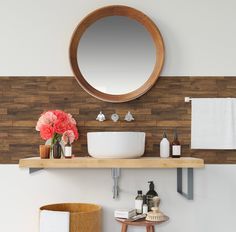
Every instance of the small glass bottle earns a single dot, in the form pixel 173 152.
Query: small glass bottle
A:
pixel 57 150
pixel 68 149
pixel 139 203
pixel 145 206
pixel 175 146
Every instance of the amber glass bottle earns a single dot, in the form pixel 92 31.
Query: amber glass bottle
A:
pixel 57 150
pixel 175 146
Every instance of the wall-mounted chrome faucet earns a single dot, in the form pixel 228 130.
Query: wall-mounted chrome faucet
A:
pixel 129 117
pixel 101 117
pixel 115 117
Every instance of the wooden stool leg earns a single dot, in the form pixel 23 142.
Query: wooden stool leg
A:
pixel 124 228
pixel 150 228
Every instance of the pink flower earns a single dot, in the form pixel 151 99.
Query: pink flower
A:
pixel 62 122
pixel 47 118
pixel 46 132
pixel 39 125
pixel 60 127
pixel 57 122
pixel 69 134
pixel 74 129
pixel 61 115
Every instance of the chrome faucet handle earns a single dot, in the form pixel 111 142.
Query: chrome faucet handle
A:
pixel 114 117
pixel 101 117
pixel 129 117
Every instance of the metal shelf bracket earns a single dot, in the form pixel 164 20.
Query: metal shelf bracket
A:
pixel 189 194
pixel 33 170
pixel 115 172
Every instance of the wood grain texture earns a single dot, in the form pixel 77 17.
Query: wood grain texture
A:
pixel 88 162
pixel 23 99
pixel 141 222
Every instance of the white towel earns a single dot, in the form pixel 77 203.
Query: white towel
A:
pixel 54 221
pixel 213 123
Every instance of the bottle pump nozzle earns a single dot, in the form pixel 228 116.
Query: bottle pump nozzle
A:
pixel 151 185
pixel 164 134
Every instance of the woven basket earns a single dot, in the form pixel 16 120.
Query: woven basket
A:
pixel 83 217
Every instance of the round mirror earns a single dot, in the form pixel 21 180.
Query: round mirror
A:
pixel 116 53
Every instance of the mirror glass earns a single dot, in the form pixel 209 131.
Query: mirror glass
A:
pixel 116 55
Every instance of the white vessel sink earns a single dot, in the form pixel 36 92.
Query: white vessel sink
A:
pixel 116 144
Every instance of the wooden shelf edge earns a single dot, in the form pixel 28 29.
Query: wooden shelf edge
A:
pixel 88 162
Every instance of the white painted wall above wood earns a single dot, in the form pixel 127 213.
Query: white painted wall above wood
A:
pixel 199 35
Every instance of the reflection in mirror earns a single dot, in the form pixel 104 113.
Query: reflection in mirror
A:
pixel 116 55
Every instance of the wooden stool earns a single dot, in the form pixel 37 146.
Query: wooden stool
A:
pixel 150 226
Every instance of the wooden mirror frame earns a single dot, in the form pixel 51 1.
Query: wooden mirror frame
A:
pixel 117 10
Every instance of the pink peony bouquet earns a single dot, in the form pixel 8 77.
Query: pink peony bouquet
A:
pixel 57 125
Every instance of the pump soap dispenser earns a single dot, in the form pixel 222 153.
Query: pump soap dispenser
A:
pixel 150 194
pixel 164 147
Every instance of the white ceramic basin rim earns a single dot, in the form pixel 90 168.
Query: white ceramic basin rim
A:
pixel 116 144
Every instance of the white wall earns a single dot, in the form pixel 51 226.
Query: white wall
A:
pixel 213 208
pixel 200 40
pixel 199 35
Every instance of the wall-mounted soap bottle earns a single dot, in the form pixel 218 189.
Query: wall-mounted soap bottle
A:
pixel 164 147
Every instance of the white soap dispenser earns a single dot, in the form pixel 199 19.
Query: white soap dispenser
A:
pixel 164 147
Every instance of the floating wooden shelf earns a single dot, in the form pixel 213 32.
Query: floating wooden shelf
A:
pixel 88 162
pixel 35 164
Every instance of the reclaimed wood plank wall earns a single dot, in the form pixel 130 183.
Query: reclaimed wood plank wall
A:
pixel 23 99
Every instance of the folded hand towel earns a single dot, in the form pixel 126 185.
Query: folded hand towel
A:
pixel 213 123
pixel 54 221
